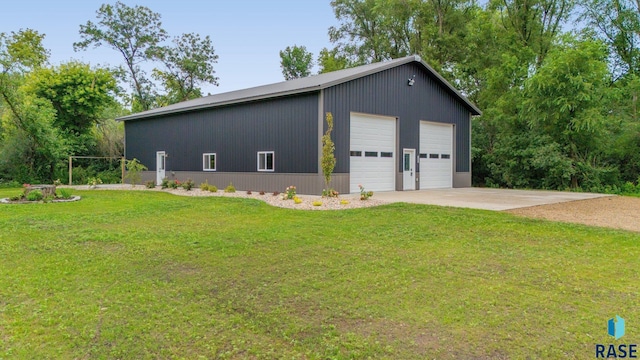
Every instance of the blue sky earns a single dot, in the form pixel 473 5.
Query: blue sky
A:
pixel 247 34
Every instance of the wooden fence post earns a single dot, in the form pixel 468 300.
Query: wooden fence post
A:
pixel 70 170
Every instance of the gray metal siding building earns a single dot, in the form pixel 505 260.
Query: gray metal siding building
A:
pixel 404 96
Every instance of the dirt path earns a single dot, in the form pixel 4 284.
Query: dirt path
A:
pixel 620 212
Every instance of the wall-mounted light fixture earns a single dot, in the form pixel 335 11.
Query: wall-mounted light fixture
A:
pixel 411 80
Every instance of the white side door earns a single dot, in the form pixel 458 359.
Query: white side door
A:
pixel 161 162
pixel 408 167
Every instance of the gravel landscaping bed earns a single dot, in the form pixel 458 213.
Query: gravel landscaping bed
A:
pixel 353 200
pixel 619 212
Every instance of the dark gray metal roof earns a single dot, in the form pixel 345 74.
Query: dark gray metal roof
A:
pixel 296 86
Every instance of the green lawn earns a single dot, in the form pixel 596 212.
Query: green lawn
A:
pixel 137 275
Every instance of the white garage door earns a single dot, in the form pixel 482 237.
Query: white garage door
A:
pixel 372 150
pixel 436 155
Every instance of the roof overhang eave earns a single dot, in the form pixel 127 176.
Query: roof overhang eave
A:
pixel 141 116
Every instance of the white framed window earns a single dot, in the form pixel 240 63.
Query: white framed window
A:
pixel 209 162
pixel 265 161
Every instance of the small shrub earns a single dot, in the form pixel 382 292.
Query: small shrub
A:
pixel 9 184
pixel 630 188
pixel 213 188
pixel 275 193
pixel 317 203
pixel 329 193
pixel 297 200
pixel 94 181
pixel 165 183
pixel 17 197
pixel 204 186
pixel 290 192
pixel 64 193
pixel 261 192
pixel 188 184
pixel 150 184
pixel 48 199
pixel 35 195
pixel 344 202
pixel 249 192
pixel 365 195
pixel 174 184
pixel 230 188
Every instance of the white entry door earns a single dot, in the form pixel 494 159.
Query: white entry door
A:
pixel 408 169
pixel 161 162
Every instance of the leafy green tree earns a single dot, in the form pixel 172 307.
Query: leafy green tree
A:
pixel 132 31
pixel 31 147
pixel 187 64
pixel 109 133
pixel 332 60
pixel 79 95
pixel 568 99
pixel 535 23
pixel 360 32
pixel 296 62
pixel 617 22
pixel 20 52
pixel 377 30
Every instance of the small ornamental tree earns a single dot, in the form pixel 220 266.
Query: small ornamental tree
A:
pixel 328 160
pixel 134 168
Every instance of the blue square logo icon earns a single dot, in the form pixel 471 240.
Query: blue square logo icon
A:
pixel 615 327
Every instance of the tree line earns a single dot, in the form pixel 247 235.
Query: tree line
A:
pixel 49 112
pixel 557 80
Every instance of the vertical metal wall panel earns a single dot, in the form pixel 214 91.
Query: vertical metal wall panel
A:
pixel 287 126
pixel 307 184
pixel 387 93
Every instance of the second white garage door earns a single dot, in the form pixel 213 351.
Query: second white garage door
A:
pixel 372 152
pixel 436 155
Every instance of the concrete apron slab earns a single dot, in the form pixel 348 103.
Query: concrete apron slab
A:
pixel 484 198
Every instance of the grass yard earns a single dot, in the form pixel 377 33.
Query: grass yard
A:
pixel 141 275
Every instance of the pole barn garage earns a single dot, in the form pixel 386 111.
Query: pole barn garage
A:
pixel 398 125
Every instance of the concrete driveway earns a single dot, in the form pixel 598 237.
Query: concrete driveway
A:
pixel 484 198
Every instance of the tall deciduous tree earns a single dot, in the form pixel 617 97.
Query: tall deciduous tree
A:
pixel 535 23
pixel 617 22
pixel 133 32
pixel 360 32
pixel 377 30
pixel 332 60
pixel 187 64
pixel 566 100
pixel 31 146
pixel 79 95
pixel 295 62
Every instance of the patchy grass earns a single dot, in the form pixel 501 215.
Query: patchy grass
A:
pixel 138 275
